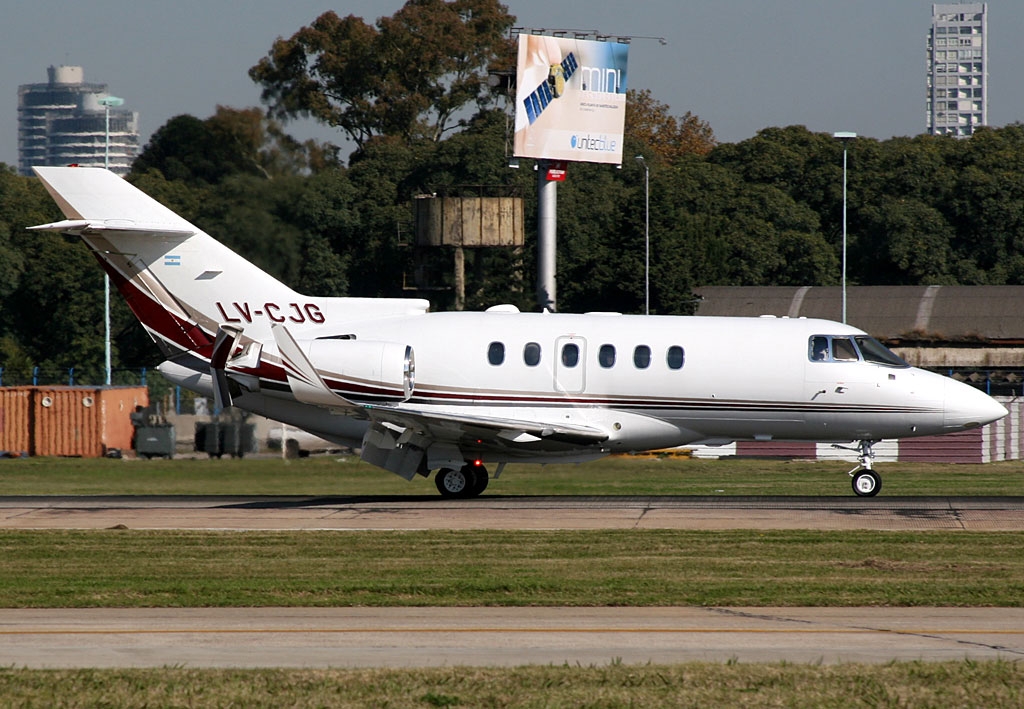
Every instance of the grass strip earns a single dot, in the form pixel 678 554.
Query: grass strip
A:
pixel 347 475
pixel 130 568
pixel 992 684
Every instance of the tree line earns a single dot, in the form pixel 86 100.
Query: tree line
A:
pixel 763 211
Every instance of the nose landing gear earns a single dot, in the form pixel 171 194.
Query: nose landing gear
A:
pixel 866 482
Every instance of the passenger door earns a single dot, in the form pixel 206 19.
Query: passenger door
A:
pixel 570 364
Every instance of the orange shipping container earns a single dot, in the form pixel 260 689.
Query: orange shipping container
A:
pixel 15 423
pixel 69 421
pixel 116 407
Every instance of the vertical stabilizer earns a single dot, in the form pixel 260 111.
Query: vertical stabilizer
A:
pixel 180 282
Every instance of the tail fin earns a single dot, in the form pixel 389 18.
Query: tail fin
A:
pixel 181 283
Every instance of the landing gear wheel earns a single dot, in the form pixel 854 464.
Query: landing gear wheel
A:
pixel 867 483
pixel 468 481
pixel 452 483
pixel 479 477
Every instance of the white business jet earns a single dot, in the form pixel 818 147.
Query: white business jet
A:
pixel 418 392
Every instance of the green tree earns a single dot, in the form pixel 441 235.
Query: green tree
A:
pixel 408 76
pixel 50 289
pixel 57 310
pixel 987 208
pixel 231 142
pixel 187 149
pixel 600 240
pixel 16 199
pixel 903 241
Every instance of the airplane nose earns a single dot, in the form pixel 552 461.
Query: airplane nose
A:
pixel 965 407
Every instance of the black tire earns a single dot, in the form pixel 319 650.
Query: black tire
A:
pixel 867 483
pixel 478 474
pixel 452 483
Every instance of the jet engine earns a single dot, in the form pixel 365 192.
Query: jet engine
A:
pixel 364 371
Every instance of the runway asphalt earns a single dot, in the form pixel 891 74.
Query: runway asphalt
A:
pixel 497 512
pixel 407 637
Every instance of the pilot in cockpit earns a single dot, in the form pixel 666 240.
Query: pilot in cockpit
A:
pixel 820 349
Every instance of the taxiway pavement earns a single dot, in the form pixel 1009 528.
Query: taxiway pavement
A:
pixel 421 637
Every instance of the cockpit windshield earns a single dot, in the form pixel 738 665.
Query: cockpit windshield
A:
pixel 874 351
pixel 838 348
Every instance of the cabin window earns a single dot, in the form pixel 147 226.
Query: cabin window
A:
pixel 496 353
pixel 642 357
pixel 675 357
pixel 606 356
pixel 570 355
pixel 531 354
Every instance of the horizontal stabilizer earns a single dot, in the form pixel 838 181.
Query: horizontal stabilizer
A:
pixel 102 199
pixel 84 226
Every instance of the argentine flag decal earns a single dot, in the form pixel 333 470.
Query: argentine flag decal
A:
pixel 172 260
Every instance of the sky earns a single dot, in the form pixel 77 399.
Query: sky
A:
pixel 740 65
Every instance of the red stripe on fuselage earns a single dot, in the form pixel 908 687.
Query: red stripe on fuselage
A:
pixel 156 317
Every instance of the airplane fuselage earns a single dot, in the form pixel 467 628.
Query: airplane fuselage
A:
pixel 648 382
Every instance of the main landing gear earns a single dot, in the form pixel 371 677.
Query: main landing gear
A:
pixel 866 482
pixel 468 481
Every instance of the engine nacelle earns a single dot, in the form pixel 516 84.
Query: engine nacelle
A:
pixel 364 371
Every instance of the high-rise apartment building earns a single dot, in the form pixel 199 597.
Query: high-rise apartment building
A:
pixel 63 122
pixel 958 69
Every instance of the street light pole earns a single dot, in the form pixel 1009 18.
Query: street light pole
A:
pixel 647 235
pixel 845 137
pixel 107 102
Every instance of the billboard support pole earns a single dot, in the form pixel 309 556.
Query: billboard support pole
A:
pixel 547 222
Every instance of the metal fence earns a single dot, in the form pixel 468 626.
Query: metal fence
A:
pixel 72 376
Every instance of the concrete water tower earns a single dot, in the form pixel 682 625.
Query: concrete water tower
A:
pixel 467 217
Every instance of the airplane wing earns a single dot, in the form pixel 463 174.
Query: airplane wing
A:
pixel 453 427
pixel 399 424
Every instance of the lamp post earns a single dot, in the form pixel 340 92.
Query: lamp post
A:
pixel 107 102
pixel 647 234
pixel 845 137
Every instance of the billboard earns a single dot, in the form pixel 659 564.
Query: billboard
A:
pixel 570 99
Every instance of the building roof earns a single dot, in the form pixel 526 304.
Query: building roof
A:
pixel 906 313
